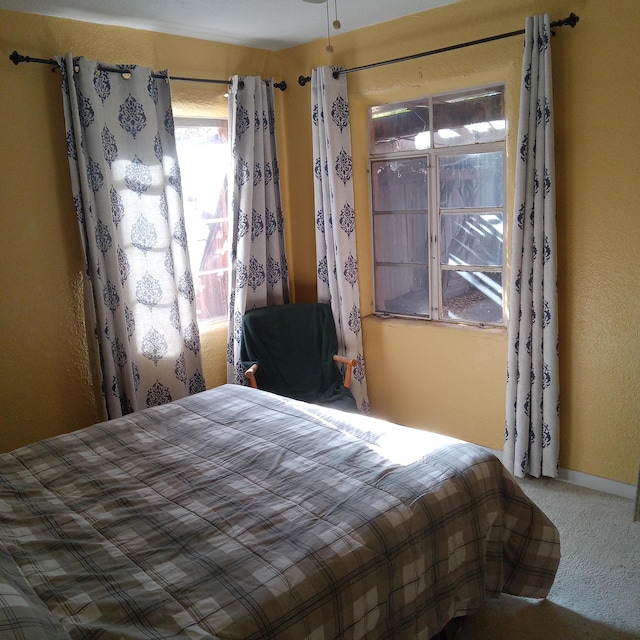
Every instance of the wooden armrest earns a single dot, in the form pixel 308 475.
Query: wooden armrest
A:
pixel 350 363
pixel 250 374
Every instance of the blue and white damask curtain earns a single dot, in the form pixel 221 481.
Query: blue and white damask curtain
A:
pixel 139 292
pixel 337 262
pixel 259 272
pixel 532 416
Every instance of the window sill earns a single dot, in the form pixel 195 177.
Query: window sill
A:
pixel 405 321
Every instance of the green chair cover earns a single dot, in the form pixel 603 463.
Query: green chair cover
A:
pixel 294 345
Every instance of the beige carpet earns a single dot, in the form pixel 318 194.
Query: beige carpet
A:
pixel 596 594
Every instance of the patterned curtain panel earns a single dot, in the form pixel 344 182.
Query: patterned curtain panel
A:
pixel 259 272
pixel 127 192
pixel 532 423
pixel 335 218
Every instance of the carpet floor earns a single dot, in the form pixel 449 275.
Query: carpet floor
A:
pixel 596 594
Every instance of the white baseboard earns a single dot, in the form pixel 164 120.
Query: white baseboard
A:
pixel 588 481
pixel 598 484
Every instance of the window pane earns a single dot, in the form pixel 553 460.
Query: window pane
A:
pixel 471 180
pixel 203 152
pixel 399 127
pixel 471 239
pixel 473 296
pixel 469 117
pixel 213 280
pixel 399 185
pixel 401 238
pixel 403 290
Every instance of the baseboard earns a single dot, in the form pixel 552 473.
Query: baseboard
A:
pixel 588 481
pixel 598 484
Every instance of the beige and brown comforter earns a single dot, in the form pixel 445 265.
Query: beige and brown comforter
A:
pixel 237 514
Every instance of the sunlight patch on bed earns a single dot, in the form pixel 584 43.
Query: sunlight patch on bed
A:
pixel 406 446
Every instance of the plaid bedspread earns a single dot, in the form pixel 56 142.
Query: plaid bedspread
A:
pixel 236 514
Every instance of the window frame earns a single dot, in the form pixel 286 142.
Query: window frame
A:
pixel 436 267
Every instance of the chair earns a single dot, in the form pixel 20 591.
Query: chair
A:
pixel 290 350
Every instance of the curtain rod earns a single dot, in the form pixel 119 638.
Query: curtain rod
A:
pixel 571 21
pixel 16 58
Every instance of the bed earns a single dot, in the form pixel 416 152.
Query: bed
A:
pixel 238 514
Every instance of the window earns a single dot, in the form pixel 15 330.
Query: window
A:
pixel 437 197
pixel 203 152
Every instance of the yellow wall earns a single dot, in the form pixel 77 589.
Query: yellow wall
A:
pixel 446 378
pixel 452 379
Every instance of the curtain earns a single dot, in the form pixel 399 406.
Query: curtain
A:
pixel 259 272
pixel 532 404
pixel 139 292
pixel 337 264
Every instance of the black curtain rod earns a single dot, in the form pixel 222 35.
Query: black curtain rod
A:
pixel 571 21
pixel 16 58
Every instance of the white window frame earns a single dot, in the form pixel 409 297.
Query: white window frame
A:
pixel 432 154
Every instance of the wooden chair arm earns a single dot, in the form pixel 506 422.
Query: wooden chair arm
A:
pixel 349 363
pixel 250 374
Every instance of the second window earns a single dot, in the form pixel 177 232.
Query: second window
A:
pixel 438 206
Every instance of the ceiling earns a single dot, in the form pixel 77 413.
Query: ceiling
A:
pixel 265 24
